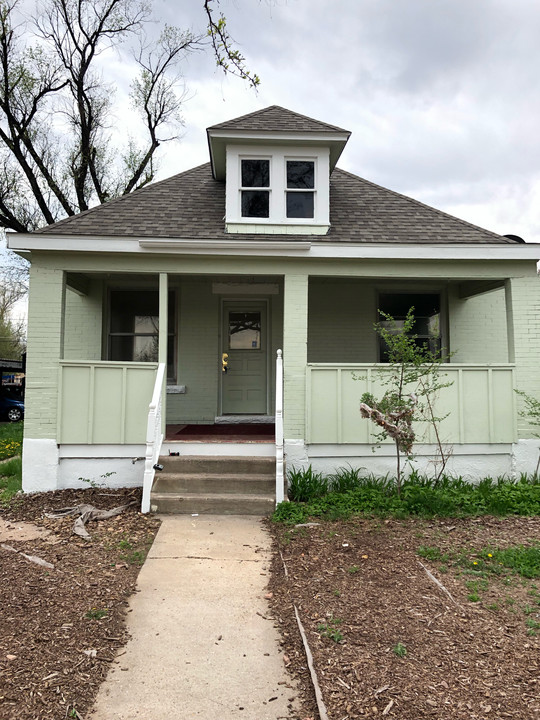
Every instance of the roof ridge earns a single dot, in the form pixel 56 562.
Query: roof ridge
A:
pixel 424 205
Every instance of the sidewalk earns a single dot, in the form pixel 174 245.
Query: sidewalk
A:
pixel 200 644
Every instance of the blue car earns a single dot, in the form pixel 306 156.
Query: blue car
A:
pixel 11 408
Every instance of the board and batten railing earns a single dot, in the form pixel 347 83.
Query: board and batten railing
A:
pixel 104 402
pixel 279 429
pixel 478 407
pixel 154 438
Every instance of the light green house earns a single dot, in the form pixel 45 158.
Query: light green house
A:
pixel 268 247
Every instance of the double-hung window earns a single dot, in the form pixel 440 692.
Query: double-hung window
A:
pixel 255 188
pixel 134 327
pixel 427 318
pixel 300 192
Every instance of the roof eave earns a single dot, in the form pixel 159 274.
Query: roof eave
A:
pixel 218 139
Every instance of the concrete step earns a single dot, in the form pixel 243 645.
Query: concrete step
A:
pixel 214 504
pixel 177 482
pixel 218 464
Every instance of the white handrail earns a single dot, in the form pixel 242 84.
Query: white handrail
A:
pixel 154 438
pixel 279 429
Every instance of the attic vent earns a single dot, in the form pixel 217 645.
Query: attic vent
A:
pixel 515 238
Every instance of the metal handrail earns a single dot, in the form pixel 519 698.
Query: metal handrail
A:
pixel 154 438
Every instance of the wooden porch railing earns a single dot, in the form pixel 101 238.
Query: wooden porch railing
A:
pixel 279 429
pixel 154 438
pixel 480 405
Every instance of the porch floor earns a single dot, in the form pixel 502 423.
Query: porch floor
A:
pixel 222 433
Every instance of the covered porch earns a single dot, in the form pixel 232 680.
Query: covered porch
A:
pixel 216 335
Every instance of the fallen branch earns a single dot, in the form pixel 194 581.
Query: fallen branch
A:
pixel 87 513
pixel 318 694
pixel 439 584
pixel 32 558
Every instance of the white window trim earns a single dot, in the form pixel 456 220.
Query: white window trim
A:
pixel 277 221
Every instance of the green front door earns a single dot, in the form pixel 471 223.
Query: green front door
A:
pixel 244 358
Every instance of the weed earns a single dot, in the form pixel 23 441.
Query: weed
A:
pixel 532 624
pixel 96 613
pixel 353 569
pixel 95 483
pixel 473 597
pixel 137 557
pixel 330 630
pixel 400 650
pixel 528 610
pixel 336 593
pixel 493 606
pixel 125 545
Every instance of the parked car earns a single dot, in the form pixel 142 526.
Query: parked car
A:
pixel 11 408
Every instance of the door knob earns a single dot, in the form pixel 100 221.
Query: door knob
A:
pixel 224 362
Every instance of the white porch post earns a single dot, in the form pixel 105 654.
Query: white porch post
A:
pixel 163 340
pixel 295 326
pixel 46 313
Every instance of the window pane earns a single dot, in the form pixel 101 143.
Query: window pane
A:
pixel 300 174
pixel 300 204
pixel 245 331
pixel 427 326
pixel 134 348
pixel 255 203
pixel 134 311
pixel 255 173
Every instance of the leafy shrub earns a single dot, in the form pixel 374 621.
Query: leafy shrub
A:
pixel 304 484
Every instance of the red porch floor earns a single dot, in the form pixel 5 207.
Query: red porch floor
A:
pixel 236 432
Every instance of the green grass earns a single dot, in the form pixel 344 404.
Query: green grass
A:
pixel 11 435
pixel 10 479
pixel 314 495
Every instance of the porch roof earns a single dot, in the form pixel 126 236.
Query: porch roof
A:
pixel 191 205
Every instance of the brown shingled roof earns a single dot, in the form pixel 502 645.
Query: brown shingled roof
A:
pixel 276 119
pixel 192 205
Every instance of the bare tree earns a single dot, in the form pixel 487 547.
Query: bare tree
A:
pixel 56 115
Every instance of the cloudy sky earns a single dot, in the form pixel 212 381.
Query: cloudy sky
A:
pixel 442 96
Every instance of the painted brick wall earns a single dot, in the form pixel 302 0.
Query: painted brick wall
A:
pixel 295 304
pixel 82 333
pixel 477 327
pixel 341 317
pixel 198 354
pixel 45 348
pixel 526 314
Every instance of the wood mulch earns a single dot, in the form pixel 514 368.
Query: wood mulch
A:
pixel 359 588
pixel 364 600
pixel 61 628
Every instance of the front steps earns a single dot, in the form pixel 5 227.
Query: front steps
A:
pixel 214 485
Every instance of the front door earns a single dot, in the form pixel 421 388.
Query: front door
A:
pixel 244 359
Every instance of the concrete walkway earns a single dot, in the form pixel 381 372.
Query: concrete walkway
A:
pixel 201 646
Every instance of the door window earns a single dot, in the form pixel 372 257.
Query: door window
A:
pixel 245 330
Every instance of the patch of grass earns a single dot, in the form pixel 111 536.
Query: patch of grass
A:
pixel 96 613
pixel 11 435
pixel 10 479
pixel 400 650
pixel 137 557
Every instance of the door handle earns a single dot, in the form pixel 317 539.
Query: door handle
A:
pixel 224 362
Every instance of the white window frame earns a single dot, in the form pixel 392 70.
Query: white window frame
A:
pixel 277 220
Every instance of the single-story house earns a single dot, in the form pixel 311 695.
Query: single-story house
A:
pixel 167 309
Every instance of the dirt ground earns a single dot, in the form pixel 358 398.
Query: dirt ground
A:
pixel 388 641
pixel 61 628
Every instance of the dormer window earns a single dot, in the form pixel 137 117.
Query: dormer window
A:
pixel 300 188
pixel 255 198
pixel 277 189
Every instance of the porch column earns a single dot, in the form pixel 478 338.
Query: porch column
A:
pixel 163 340
pixel 46 313
pixel 295 325
pixel 523 308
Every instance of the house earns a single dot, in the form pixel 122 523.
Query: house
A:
pixel 168 307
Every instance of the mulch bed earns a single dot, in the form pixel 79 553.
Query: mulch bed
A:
pixel 361 580
pixel 61 628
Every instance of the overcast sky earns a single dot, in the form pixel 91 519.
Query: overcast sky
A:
pixel 442 96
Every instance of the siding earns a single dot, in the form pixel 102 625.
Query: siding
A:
pixel 83 324
pixel 478 327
